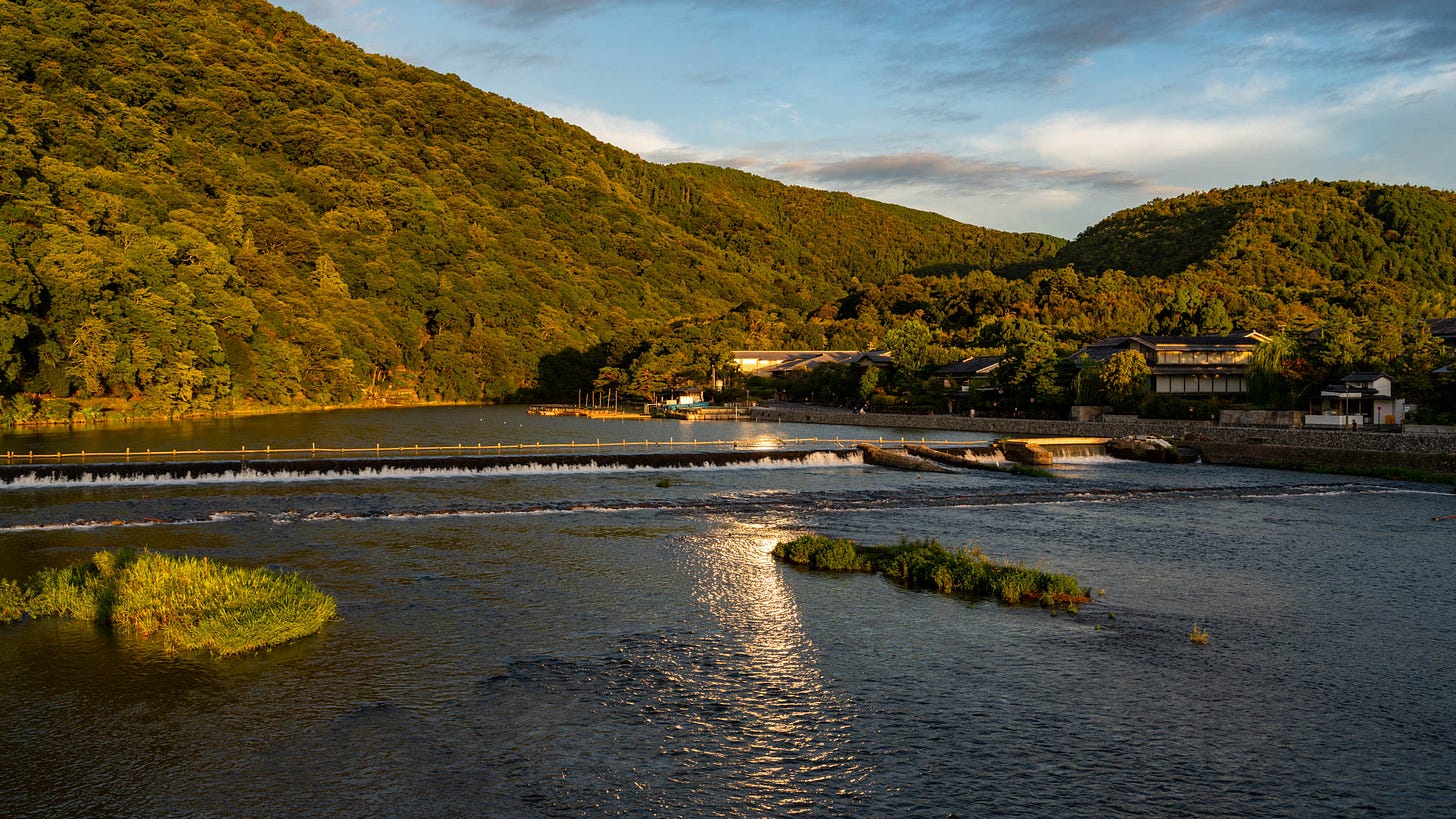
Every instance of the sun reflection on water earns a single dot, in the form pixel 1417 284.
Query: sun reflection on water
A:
pixel 788 726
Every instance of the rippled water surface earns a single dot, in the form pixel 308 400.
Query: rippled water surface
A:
pixel 589 642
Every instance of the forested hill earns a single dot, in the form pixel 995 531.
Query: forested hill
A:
pixel 206 203
pixel 1290 241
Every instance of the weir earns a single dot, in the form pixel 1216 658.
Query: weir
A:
pixel 185 470
pixel 1068 447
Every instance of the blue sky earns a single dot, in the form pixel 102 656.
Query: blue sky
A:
pixel 1043 115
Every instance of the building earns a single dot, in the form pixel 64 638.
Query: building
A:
pixel 1445 330
pixel 1360 399
pixel 963 376
pixel 1189 366
pixel 783 363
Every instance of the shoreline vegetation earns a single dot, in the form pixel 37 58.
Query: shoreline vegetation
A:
pixel 927 565
pixel 182 603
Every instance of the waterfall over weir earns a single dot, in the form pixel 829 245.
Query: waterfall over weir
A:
pixel 11 474
pixel 1059 448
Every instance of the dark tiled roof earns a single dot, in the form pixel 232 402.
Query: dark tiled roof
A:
pixel 1105 348
pixel 980 365
pixel 1444 327
pixel 1237 339
pixel 1336 390
pixel 1362 378
pixel 879 357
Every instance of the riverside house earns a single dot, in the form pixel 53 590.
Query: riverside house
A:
pixel 1360 399
pixel 1191 366
pixel 964 376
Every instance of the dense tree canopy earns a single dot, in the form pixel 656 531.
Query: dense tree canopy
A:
pixel 208 204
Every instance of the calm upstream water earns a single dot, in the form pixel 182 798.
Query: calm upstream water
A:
pixel 586 642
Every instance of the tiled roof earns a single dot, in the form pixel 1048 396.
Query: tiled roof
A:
pixel 980 365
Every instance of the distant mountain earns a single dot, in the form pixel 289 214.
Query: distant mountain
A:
pixel 207 203
pixel 1283 233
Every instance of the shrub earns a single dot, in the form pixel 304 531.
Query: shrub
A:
pixel 819 552
pixel 55 409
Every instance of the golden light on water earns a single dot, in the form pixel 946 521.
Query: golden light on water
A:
pixel 759 443
pixel 777 706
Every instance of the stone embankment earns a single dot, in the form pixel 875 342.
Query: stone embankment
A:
pixel 1338 450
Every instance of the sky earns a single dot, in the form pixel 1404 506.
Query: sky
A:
pixel 1022 115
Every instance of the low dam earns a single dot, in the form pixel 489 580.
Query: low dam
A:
pixel 195 470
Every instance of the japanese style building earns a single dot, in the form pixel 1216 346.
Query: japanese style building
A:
pixel 1187 365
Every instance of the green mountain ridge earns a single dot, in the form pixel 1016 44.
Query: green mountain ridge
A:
pixel 210 204
pixel 214 205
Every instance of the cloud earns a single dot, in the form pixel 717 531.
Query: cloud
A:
pixel 1107 140
pixel 636 135
pixel 1401 88
pixel 957 45
pixel 361 16
pixel 940 170
pixel 528 13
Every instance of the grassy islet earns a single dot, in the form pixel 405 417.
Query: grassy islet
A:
pixel 183 603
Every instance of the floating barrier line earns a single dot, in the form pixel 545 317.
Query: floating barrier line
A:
pixel 268 452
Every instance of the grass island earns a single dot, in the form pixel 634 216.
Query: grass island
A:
pixel 184 603
pixel 925 564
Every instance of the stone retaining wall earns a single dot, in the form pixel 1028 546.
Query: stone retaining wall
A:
pixel 1360 461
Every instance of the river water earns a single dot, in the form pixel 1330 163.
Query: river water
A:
pixel 549 642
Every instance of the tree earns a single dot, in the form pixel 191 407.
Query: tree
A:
pixel 869 382
pixel 1124 378
pixel 92 356
pixel 1272 378
pixel 909 345
pixel 1029 374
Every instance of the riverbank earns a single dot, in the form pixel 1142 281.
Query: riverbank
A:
pixel 116 412
pixel 1377 454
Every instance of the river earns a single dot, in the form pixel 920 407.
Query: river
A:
pixel 591 641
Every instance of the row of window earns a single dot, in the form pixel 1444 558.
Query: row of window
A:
pixel 1199 384
pixel 1204 357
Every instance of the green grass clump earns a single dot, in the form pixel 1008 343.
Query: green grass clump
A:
pixel 925 564
pixel 819 552
pixel 184 603
pixel 12 601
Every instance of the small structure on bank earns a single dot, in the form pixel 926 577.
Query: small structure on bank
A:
pixel 1360 399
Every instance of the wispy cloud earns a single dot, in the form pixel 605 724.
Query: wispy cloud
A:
pixel 1108 140
pixel 636 135
pixel 362 15
pixel 529 12
pixel 1401 88
pixel 949 172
